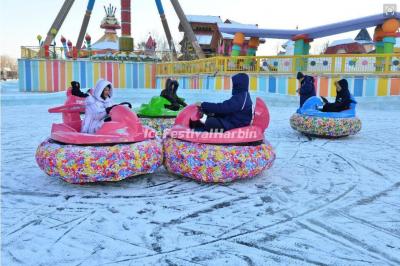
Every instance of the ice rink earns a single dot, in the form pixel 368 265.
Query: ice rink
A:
pixel 324 201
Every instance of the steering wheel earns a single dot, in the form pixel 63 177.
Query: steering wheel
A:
pixel 126 103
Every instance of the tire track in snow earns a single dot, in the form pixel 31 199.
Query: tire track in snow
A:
pixel 388 258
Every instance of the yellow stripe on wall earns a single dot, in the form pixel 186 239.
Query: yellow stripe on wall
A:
pixel 122 79
pixel 218 83
pixel 382 87
pixel 253 83
pixel 333 87
pixel 42 75
pixel 292 86
pixel 148 76
pixel 96 72
pixel 68 68
pixel 200 82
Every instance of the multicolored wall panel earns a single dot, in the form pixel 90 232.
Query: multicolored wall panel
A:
pixel 36 75
pixel 360 86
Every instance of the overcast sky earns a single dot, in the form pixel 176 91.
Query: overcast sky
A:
pixel 22 20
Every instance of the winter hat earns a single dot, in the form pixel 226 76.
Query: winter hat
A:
pixel 343 84
pixel 300 75
pixel 75 84
pixel 240 83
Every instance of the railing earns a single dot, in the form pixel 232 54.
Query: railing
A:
pixel 33 52
pixel 318 64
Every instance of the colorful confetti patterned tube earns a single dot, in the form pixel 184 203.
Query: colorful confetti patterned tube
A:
pixel 325 127
pixel 216 163
pixel 87 164
pixel 160 124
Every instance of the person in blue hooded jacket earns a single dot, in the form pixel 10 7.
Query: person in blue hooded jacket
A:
pixel 307 88
pixel 233 113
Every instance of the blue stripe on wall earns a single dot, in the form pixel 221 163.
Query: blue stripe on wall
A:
pixel 141 75
pixel 211 82
pixel 282 85
pixel 83 74
pixel 262 84
pixel 128 75
pixel 134 77
pixel 75 71
pixel 158 83
pixel 358 86
pixel 21 75
pixel 350 81
pixel 370 87
pixel 28 75
pixel 35 75
pixel 181 82
pixel 272 84
pixel 89 74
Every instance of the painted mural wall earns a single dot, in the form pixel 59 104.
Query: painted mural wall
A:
pixel 287 85
pixel 37 75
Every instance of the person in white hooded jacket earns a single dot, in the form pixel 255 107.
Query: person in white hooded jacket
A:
pixel 98 106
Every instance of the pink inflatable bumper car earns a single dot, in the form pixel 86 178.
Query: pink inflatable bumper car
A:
pixel 121 148
pixel 218 157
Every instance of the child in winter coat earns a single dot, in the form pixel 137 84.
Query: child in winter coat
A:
pixel 307 88
pixel 76 90
pixel 169 93
pixel 98 106
pixel 343 98
pixel 233 113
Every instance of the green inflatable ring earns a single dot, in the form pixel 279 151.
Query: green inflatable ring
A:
pixel 156 108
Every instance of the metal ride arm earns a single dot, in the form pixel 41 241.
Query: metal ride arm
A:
pixel 58 21
pixel 187 28
pixel 166 28
pixel 85 24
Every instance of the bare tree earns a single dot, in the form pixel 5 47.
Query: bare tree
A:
pixel 7 61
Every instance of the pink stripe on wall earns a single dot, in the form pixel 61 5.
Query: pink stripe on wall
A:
pixel 110 72
pixel 49 72
pixel 56 74
pixel 102 71
pixel 63 86
pixel 227 82
pixel 153 76
pixel 116 75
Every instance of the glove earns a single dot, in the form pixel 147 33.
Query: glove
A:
pixel 324 99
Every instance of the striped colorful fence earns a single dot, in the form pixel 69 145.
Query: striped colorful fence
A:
pixel 36 75
pixel 287 85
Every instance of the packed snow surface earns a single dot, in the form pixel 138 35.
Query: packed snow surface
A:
pixel 324 201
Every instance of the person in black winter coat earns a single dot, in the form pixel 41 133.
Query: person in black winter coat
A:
pixel 169 93
pixel 233 113
pixel 307 88
pixel 76 90
pixel 343 98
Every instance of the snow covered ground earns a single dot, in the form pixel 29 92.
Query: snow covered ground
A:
pixel 323 201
